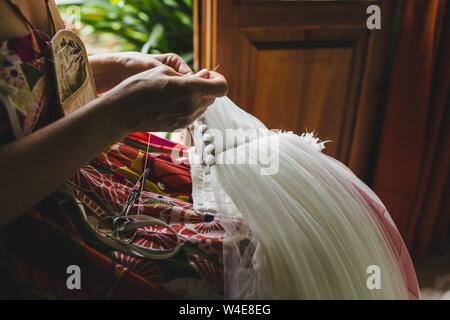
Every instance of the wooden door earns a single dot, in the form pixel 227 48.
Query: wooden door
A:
pixel 302 65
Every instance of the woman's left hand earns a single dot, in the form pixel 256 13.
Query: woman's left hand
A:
pixel 111 69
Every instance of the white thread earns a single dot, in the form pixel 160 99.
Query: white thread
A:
pixel 145 167
pixel 202 128
pixel 210 160
pixel 207 138
pixel 209 149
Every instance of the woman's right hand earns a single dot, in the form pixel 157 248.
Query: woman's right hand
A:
pixel 161 99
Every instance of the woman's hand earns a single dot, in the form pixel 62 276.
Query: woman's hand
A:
pixel 159 99
pixel 163 99
pixel 111 69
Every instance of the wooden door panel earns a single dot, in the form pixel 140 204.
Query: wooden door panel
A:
pixel 312 98
pixel 300 65
pixel 294 78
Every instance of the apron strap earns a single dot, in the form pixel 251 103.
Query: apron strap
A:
pixel 50 16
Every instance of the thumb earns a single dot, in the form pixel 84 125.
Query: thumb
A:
pixel 214 86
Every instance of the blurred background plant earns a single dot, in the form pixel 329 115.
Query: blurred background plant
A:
pixel 149 26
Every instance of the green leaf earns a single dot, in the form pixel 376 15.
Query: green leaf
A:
pixel 147 25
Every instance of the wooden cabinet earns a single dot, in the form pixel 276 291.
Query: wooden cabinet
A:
pixel 301 65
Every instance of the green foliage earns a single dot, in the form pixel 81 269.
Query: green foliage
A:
pixel 149 26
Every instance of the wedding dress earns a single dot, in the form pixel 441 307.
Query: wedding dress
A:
pixel 316 230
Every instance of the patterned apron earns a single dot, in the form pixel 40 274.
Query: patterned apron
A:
pixel 36 249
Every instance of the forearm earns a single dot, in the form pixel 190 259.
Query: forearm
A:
pixel 36 165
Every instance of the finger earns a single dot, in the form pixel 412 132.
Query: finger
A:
pixel 169 71
pixel 204 73
pixel 201 108
pixel 207 102
pixel 176 62
pixel 215 75
pixel 210 88
pixel 156 63
pixel 183 67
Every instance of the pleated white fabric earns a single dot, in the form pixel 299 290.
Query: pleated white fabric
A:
pixel 312 234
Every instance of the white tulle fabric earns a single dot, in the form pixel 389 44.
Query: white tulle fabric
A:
pixel 312 235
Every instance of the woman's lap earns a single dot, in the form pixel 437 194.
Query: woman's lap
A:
pixel 39 247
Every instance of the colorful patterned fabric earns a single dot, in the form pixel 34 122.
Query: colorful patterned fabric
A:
pixel 36 249
pixel 23 73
